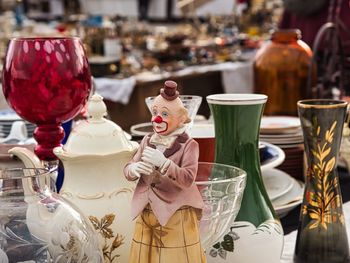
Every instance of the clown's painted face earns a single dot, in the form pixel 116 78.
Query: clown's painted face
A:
pixel 166 116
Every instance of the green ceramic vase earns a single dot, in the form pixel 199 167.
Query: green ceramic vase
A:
pixel 256 235
pixel 322 234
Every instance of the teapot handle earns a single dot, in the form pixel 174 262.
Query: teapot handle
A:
pixel 28 157
pixel 30 160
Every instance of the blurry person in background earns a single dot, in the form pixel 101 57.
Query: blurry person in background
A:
pixel 169 9
pixel 72 6
pixel 325 27
pixel 143 6
pixel 310 15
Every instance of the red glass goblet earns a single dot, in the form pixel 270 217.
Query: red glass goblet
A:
pixel 46 81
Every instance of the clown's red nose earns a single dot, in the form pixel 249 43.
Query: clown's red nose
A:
pixel 157 119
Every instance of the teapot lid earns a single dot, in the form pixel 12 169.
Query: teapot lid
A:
pixel 97 135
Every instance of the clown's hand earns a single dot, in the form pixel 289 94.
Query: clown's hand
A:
pixel 154 157
pixel 138 168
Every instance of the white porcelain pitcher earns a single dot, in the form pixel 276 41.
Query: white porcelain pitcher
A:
pixel 93 158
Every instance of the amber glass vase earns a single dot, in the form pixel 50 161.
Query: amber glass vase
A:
pixel 281 69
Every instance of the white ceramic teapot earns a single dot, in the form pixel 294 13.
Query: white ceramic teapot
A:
pixel 93 158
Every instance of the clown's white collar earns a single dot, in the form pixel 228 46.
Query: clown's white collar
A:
pixel 166 140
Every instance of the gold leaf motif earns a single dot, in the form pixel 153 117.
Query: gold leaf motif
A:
pixel 314 225
pixel 337 201
pixel 329 197
pixel 103 227
pixel 107 220
pixel 315 154
pixel 107 232
pixel 314 203
pixel 330 165
pixel 327 135
pixel 304 210
pixel 322 201
pixel 333 126
pixel 118 241
pixel 71 243
pixel 314 216
pixel 330 133
pixel 94 221
pixel 324 154
pixel 105 249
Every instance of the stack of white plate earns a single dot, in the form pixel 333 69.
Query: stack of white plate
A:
pixel 284 191
pixel 7 118
pixel 283 131
pixel 286 133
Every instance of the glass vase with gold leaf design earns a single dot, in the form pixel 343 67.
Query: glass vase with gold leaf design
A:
pixel 322 234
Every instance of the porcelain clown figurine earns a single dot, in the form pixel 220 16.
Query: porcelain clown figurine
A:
pixel 166 201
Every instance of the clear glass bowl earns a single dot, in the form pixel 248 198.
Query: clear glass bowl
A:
pixel 37 225
pixel 221 187
pixel 191 103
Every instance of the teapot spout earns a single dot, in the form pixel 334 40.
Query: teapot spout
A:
pixel 29 159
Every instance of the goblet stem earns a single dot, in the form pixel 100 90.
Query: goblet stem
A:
pixel 48 137
pixel 52 166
